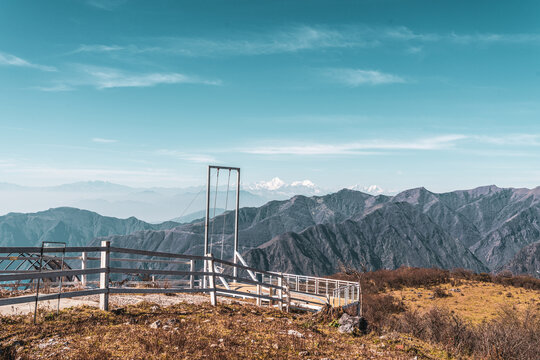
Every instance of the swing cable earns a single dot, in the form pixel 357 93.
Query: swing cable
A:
pixel 224 215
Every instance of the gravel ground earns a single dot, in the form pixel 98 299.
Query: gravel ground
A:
pixel 115 301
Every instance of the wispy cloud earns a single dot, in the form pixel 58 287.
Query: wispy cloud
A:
pixel 359 148
pixel 104 78
pixel 197 158
pixel 304 38
pixel 520 140
pixel 104 141
pixel 56 175
pixel 98 48
pixel 358 77
pixel 405 34
pixel 12 60
pixel 294 39
pixel 55 88
pixel 107 5
pixel 6 164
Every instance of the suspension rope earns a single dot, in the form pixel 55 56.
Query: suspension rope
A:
pixel 224 215
pixel 214 216
pixel 191 203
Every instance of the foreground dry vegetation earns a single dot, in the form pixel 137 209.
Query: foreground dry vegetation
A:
pixel 188 331
pixel 470 315
pixel 412 314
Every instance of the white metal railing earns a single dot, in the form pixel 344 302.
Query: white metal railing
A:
pixel 281 289
pixel 188 280
pixel 335 292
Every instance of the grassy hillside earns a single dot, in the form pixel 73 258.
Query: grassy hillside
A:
pixel 188 331
pixel 412 313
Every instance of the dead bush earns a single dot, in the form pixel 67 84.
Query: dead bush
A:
pixel 440 293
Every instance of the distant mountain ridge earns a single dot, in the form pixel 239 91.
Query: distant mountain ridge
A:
pixel 492 223
pixel 74 226
pixel 482 229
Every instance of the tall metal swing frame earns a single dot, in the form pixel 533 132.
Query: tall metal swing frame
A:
pixel 236 211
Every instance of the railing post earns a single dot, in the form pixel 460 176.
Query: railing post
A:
pixel 280 292
pixel 84 260
pixel 212 280
pixel 326 287
pixel 316 286
pixel 259 295
pixel 191 269
pixel 296 283
pixel 104 276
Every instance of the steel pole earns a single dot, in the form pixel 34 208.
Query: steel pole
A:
pixel 236 216
pixel 206 223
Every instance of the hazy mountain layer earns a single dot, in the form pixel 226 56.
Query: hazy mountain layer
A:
pixel 73 226
pixel 481 229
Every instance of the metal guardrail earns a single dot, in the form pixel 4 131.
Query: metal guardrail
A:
pixel 191 280
pixel 283 289
pixel 336 292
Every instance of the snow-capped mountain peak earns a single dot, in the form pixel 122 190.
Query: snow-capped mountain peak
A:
pixel 281 189
pixel 371 189
pixel 273 184
pixel 304 183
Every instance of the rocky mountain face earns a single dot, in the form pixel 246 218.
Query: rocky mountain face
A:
pixel 481 229
pixel 486 225
pixel 73 226
pixel 526 261
pixel 394 235
pixel 256 225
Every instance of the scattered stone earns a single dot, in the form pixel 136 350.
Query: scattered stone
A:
pixel 295 333
pixel 303 353
pixel 172 322
pixel 156 324
pixel 221 340
pixel 348 324
pixel 213 345
pixel 275 346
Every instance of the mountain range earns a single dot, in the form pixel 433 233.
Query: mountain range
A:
pixel 483 229
pixel 154 204
pixel 73 226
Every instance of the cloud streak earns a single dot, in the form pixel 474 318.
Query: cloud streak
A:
pixel 105 78
pixel 104 141
pixel 373 147
pixel 305 38
pixel 358 77
pixel 191 157
pixel 12 60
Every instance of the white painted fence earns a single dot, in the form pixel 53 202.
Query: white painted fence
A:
pixel 272 288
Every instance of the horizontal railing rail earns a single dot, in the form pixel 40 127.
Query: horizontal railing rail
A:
pixel 190 280
pixel 118 267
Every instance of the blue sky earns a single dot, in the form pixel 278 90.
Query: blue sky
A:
pixel 441 94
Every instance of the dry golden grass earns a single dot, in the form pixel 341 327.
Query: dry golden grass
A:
pixel 475 301
pixel 188 331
